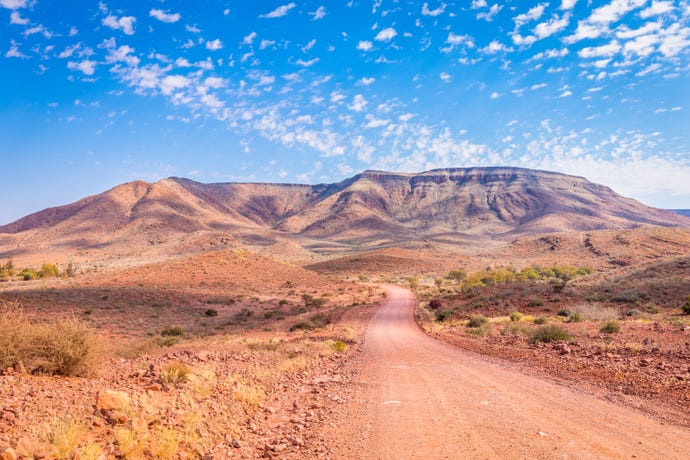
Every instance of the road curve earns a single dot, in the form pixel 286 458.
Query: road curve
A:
pixel 420 398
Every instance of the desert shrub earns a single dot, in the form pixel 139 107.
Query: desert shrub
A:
pixel 28 274
pixel 515 329
pixel 174 372
pixel 268 315
pixel 654 310
pixel 516 316
pixel 610 327
pixel 435 304
pixel 595 312
pixel 535 303
pixel 172 331
pixel 629 296
pixel 541 320
pixel 457 275
pixel 313 302
pixel 65 347
pixel 301 326
pixel 338 346
pixel 550 333
pixel 442 315
pixel 477 321
pixel 686 306
pixel 575 317
pixel 564 312
pixel 49 271
pixel 243 315
pixel 282 302
pixel 483 331
pixel 634 312
pixel 413 281
pixel 211 312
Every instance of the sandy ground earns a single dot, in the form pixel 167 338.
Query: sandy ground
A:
pixel 416 397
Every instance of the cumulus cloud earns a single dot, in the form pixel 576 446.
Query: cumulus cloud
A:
pixel 435 12
pixel 16 18
pixel 365 45
pixel 279 12
pixel 164 16
pixel 13 4
pixel 359 103
pixel 532 14
pixel 125 23
pixel 552 26
pixel 87 67
pixel 489 15
pixel 386 35
pixel 173 82
pixel 568 4
pixel 607 50
pixel 214 45
pixel 657 8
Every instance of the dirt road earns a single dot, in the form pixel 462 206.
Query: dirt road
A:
pixel 419 398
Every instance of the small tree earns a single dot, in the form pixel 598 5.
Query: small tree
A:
pixel 71 271
pixel 457 275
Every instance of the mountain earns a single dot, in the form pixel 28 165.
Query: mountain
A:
pixel 374 208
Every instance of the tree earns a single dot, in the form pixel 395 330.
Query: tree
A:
pixel 457 275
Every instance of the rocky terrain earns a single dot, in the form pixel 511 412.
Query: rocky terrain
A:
pixel 187 320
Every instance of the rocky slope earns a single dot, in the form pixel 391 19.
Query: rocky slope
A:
pixel 374 207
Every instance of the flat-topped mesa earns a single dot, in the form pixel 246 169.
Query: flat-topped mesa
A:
pixel 451 204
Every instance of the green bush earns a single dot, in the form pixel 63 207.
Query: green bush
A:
pixel 541 320
pixel 477 321
pixel 550 333
pixel 339 346
pixel 686 306
pixel 211 312
pixel 575 317
pixel 610 327
pixel 301 326
pixel 516 316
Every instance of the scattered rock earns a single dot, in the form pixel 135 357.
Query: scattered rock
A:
pixel 8 454
pixel 113 400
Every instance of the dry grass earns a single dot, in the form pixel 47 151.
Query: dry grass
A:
pixel 66 347
pixel 174 372
pixel 594 312
pixel 64 437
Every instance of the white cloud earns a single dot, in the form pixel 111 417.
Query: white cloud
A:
pixel 435 12
pixel 614 11
pixel 489 15
pixel 215 82
pixel 566 93
pixel 366 81
pixel 13 4
pixel 308 63
pixel 600 51
pixel 16 18
pixel 320 13
pixel 674 40
pixel 364 45
pixel 657 8
pixel 446 77
pixel 173 82
pixel 586 30
pixel 359 103
pixel 337 96
pixel 249 39
pixel 214 45
pixel 386 34
pixel 164 15
pixel 552 26
pixel 494 47
pixel 495 95
pixel 125 23
pixel 568 4
pixel 538 86
pixel 87 67
pixel 532 14
pixel 279 12
pixel 476 4
pixel 14 52
pixel 454 40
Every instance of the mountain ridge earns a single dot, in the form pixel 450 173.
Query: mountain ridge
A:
pixel 370 208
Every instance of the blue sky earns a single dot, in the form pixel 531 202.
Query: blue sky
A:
pixel 98 93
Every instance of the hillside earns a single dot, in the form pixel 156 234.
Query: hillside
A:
pixel 467 206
